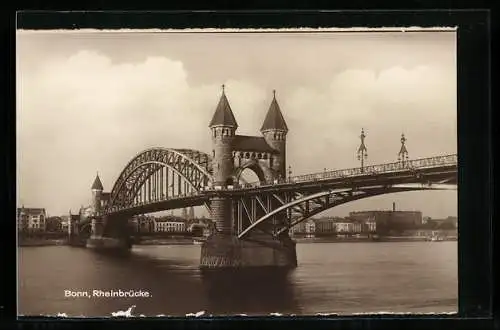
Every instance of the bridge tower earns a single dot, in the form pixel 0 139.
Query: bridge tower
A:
pixel 97 225
pixel 97 189
pixel 274 130
pixel 266 153
pixel 223 127
pixel 118 238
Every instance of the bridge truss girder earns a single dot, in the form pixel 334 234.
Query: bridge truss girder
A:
pixel 159 174
pixel 296 207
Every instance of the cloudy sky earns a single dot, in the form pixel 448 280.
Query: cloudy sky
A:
pixel 90 101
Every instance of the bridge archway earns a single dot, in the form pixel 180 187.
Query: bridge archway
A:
pixel 311 205
pixel 252 171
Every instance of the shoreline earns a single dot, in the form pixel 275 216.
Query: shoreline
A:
pixel 42 242
pixel 166 241
pixel 146 242
pixel 369 240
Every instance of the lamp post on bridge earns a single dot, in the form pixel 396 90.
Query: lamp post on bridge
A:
pixel 362 151
pixel 403 152
pixel 289 173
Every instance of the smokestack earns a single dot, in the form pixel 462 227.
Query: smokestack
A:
pixel 393 206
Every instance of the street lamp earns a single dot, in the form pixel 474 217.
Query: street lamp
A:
pixel 403 152
pixel 289 173
pixel 362 151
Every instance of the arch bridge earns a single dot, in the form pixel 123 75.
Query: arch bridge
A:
pixel 162 179
pixel 252 219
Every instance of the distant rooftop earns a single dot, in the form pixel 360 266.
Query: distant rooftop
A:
pixel 176 220
pixel 30 210
pixel 383 211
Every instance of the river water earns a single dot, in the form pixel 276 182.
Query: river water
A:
pixel 342 278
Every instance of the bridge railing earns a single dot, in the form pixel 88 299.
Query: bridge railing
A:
pixel 370 169
pixel 408 165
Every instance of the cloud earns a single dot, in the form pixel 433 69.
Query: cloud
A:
pixel 386 104
pixel 86 113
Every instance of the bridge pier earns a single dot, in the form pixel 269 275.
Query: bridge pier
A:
pixel 227 251
pixel 108 244
pixel 99 242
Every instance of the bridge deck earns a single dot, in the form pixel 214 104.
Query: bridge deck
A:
pixel 434 169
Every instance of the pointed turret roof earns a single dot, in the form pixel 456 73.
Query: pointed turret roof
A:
pixel 223 114
pixel 274 118
pixel 97 185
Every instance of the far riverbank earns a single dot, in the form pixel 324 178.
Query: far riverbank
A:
pixel 165 241
pixel 41 242
pixel 191 241
pixel 368 240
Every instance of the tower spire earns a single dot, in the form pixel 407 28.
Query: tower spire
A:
pixel 274 118
pixel 97 185
pixel 223 115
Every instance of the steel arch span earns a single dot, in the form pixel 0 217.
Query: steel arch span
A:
pixel 306 206
pixel 158 174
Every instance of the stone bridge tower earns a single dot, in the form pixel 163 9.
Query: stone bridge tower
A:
pixel 97 225
pixel 232 154
pixel 223 127
pixel 97 189
pixel 274 130
pixel 115 237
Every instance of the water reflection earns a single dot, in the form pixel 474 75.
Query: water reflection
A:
pixel 174 286
pixel 331 278
pixel 252 292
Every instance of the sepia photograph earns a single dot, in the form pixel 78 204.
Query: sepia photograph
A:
pixel 224 172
